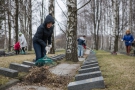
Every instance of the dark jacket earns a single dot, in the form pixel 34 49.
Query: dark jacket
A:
pixel 81 41
pixel 43 34
pixel 128 38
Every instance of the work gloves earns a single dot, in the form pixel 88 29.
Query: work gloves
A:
pixel 48 48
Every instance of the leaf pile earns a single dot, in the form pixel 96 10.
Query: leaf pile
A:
pixel 42 76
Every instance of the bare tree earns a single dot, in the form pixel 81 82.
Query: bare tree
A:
pixel 9 25
pixel 2 18
pixel 2 10
pixel 51 11
pixel 30 26
pixel 97 18
pixel 71 33
pixel 16 18
pixel 115 36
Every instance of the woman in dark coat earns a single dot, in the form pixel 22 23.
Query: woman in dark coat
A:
pixel 42 37
pixel 128 38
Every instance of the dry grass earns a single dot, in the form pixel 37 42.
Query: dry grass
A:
pixel 5 62
pixel 118 71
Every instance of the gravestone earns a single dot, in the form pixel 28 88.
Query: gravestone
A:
pixel 89 65
pixel 2 52
pixel 89 62
pixel 8 72
pixel 87 84
pixel 29 63
pixel 87 70
pixel 20 67
pixel 87 75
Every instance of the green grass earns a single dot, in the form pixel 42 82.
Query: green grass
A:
pixel 118 71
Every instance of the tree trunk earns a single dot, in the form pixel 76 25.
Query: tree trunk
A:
pixel 115 27
pixel 130 15
pixel 51 10
pixel 30 26
pixel 9 26
pixel 71 33
pixel 16 19
pixel 42 12
pixel 97 18
pixel 116 43
pixel 5 41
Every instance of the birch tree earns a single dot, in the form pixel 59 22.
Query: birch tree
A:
pixel 71 32
pixel 115 36
pixel 51 11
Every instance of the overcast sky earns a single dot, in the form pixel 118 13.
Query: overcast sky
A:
pixel 58 15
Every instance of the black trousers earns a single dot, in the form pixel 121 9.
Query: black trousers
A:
pixel 17 51
pixel 23 48
pixel 39 50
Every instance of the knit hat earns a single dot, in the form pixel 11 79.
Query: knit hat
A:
pixel 127 31
pixel 20 33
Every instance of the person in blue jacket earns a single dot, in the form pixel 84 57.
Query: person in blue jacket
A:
pixel 81 43
pixel 42 37
pixel 128 38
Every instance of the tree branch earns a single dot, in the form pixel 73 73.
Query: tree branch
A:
pixel 84 5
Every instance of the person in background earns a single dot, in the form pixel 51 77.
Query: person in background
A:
pixel 17 48
pixel 81 46
pixel 128 38
pixel 23 42
pixel 42 37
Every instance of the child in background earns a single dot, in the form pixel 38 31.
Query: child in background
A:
pixel 17 48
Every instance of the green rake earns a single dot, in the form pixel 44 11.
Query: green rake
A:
pixel 44 61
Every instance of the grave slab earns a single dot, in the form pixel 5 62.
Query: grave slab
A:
pixel 29 63
pixel 89 65
pixel 87 75
pixel 20 67
pixel 87 70
pixel 65 69
pixel 89 62
pixel 87 84
pixel 8 72
pixel 30 87
pixel 57 58
pixel 91 59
